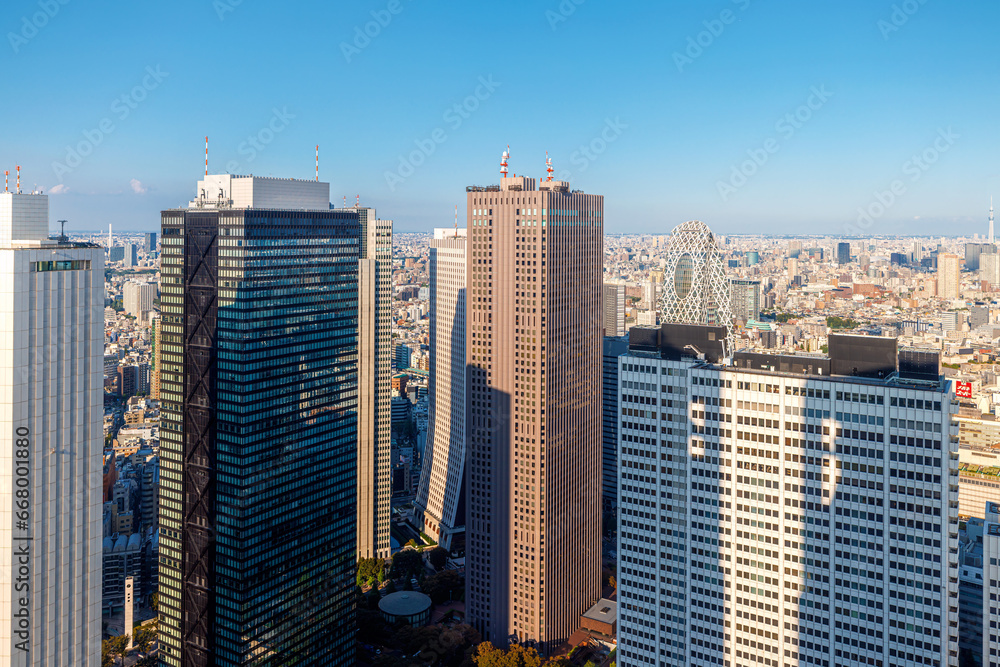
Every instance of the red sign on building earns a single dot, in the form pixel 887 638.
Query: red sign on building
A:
pixel 963 389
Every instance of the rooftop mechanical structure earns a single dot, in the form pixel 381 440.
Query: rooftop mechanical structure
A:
pixel 695 286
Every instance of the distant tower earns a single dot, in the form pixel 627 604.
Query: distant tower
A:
pixel 991 220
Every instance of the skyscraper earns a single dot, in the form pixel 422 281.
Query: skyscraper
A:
pixel 375 354
pixel 989 268
pixel 149 242
pixel 974 253
pixel 843 253
pixel 131 257
pixel 949 277
pixel 613 309
pixel 651 294
pixel 137 298
pixel 614 347
pixel 696 290
pixel 534 428
pixel 258 450
pixel 784 510
pixel 51 370
pixel 746 299
pixel 440 501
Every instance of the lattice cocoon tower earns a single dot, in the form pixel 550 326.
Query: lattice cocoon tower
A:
pixel 695 288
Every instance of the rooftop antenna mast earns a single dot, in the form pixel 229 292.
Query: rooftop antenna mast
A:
pixel 317 163
pixel 206 156
pixel 345 201
pixel 62 231
pixel 504 159
pixel 18 179
pixel 357 201
pixel 456 221
pixel 548 166
pixel 6 177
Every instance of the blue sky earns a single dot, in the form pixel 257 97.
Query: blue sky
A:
pixel 756 117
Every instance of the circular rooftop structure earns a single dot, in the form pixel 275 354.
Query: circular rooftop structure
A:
pixel 405 607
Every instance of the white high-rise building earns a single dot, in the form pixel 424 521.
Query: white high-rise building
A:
pixel 991 586
pixel 375 354
pixel 51 396
pixel 137 298
pixel 989 268
pixel 613 309
pixel 778 511
pixel 439 494
pixel 949 276
pixel 651 294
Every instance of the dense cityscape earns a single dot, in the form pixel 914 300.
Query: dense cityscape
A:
pixel 839 334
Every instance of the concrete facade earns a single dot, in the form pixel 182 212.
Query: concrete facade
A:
pixel 375 355
pixel 440 492
pixel 534 428
pixel 51 379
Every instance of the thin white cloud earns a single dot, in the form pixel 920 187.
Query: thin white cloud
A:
pixel 137 186
pixel 58 189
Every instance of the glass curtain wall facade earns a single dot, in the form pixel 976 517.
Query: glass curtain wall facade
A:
pixel 258 387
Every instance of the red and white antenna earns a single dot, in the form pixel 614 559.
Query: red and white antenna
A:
pixel 504 159
pixel 317 164
pixel 206 156
pixel 345 201
pixel 357 201
pixel 456 221
pixel 6 176
pixel 18 179
pixel 548 166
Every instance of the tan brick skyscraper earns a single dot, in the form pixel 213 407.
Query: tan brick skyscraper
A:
pixel 534 428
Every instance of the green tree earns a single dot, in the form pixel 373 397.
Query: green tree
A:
pixel 443 586
pixel 487 655
pixel 835 322
pixel 370 570
pixel 406 563
pixel 154 601
pixel 112 649
pixel 145 635
pixel 438 557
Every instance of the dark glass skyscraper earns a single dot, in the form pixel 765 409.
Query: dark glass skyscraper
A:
pixel 258 445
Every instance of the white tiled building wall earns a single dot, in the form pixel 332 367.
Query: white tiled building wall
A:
pixel 51 369
pixel 778 520
pixel 442 476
